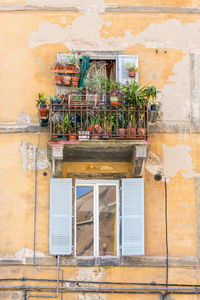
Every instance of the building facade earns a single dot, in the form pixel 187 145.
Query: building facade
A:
pixel 39 176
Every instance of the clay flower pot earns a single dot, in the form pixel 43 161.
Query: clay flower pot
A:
pixel 114 101
pixel 43 112
pixel 132 73
pixel 75 81
pixel 131 133
pixel 67 80
pixel 121 132
pixel 141 132
pixel 72 137
pixel 58 80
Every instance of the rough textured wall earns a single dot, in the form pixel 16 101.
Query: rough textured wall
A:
pixel 167 45
pixel 176 157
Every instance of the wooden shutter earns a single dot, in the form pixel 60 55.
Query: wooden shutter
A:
pixel 60 232
pixel 133 216
pixel 122 68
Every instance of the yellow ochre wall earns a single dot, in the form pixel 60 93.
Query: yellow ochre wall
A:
pixel 166 39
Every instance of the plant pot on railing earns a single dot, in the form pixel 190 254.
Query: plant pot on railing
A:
pixel 114 101
pixel 72 137
pixel 131 133
pixel 141 133
pixel 121 133
pixel 66 80
pixel 58 80
pixel 75 81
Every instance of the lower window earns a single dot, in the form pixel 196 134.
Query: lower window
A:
pixel 97 218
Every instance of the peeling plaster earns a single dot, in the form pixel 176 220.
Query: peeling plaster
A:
pixel 23 119
pixel 27 151
pixel 177 158
pixel 153 164
pixel 169 34
pixel 176 105
pixel 91 274
pixel 23 253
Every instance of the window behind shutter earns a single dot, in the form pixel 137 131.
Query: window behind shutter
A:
pixel 60 233
pixel 133 216
pixel 122 68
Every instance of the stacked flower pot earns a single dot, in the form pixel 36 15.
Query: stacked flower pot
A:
pixel 66 74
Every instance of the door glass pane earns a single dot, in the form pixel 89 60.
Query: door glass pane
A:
pixel 84 221
pixel 107 221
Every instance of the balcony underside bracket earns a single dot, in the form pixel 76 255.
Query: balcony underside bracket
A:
pixel 134 152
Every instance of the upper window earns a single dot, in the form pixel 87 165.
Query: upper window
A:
pixel 108 220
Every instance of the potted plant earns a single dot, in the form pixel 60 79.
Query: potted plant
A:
pixel 154 106
pixel 42 103
pixel 131 130
pixel 141 131
pixel 135 95
pixel 132 70
pixel 55 100
pixel 95 83
pixel 114 90
pixel 72 65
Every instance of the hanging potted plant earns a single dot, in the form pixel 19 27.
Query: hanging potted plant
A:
pixel 132 70
pixel 42 103
pixel 154 106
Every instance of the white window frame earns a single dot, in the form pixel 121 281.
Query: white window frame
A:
pixel 95 184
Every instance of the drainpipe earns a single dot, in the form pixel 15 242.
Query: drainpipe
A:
pixel 57 287
pixel 35 209
pixel 159 177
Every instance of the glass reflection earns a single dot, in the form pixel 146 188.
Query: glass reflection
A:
pixel 107 220
pixel 84 221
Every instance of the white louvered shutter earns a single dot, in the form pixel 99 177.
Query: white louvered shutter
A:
pixel 122 68
pixel 60 231
pixel 132 216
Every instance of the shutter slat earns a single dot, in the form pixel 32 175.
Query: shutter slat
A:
pixel 132 216
pixel 60 233
pixel 122 68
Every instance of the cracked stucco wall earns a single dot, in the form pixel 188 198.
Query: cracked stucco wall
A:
pixel 172 37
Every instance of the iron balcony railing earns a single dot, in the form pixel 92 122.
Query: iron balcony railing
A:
pixel 92 120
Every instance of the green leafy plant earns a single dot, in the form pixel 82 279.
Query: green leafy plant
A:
pixel 136 95
pixel 41 100
pixel 73 58
pixel 95 83
pixel 55 99
pixel 132 67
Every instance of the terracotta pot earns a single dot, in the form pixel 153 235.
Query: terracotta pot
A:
pixel 121 132
pixel 67 80
pixel 72 137
pixel 54 136
pixel 75 81
pixel 141 132
pixel 114 101
pixel 105 134
pixel 90 128
pixel 98 128
pixel 94 137
pixel 58 80
pixel 131 133
pixel 43 112
pixel 132 73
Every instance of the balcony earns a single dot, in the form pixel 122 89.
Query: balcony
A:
pixel 83 129
pixel 79 118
